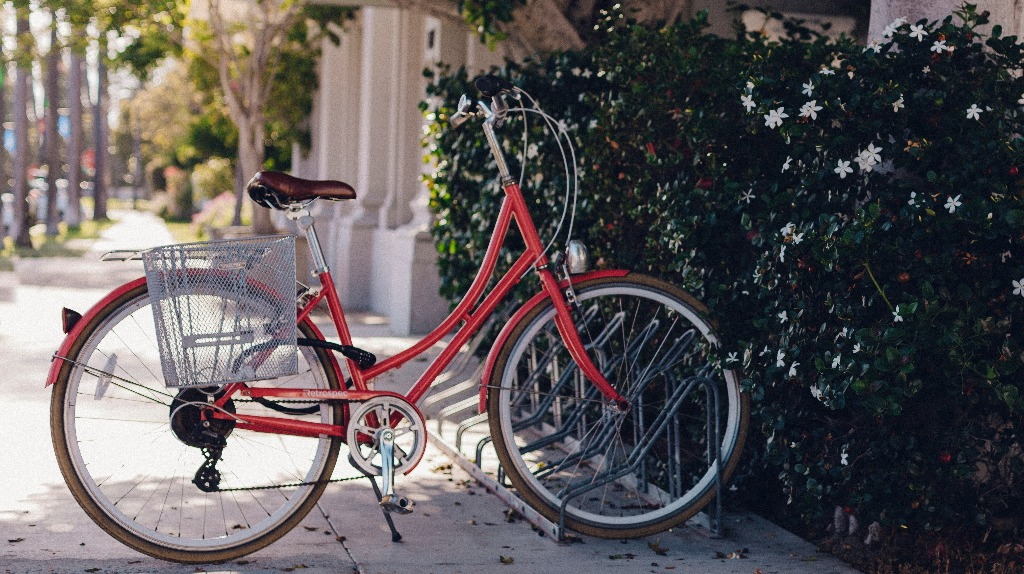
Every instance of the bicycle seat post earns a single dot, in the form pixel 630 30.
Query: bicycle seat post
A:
pixel 301 216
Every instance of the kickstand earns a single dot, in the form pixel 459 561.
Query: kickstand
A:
pixel 395 536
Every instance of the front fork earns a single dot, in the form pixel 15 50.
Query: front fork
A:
pixel 571 336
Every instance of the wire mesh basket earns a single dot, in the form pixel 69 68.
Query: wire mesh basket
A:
pixel 224 310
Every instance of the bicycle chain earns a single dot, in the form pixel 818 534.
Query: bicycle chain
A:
pixel 294 484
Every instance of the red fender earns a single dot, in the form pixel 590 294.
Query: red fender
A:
pixel 522 312
pixel 58 358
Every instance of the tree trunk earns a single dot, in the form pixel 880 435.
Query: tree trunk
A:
pixel 53 163
pixel 3 148
pixel 250 158
pixel 99 130
pixel 74 213
pixel 21 149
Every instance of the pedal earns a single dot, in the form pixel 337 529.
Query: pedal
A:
pixel 397 504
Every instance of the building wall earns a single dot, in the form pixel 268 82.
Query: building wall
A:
pixel 367 131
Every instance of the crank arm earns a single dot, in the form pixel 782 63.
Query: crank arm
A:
pixel 390 501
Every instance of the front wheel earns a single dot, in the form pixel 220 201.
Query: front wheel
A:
pixel 130 448
pixel 613 474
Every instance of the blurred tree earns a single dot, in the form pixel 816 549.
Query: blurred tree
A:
pixel 23 58
pixel 51 137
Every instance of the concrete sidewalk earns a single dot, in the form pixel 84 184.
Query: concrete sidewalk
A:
pixel 457 528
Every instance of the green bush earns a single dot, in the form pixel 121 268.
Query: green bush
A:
pixel 851 214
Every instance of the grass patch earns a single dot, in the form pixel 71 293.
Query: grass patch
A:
pixel 183 232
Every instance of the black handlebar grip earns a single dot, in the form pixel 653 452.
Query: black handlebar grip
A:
pixel 491 86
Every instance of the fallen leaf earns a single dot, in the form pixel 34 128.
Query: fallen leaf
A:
pixel 93 569
pixel 311 528
pixel 812 558
pixel 657 548
pixel 506 559
pixel 294 568
pixel 570 538
pixel 472 522
pixel 512 516
pixel 626 556
pixel 340 538
pixel 15 539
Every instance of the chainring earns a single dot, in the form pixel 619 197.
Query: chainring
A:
pixel 374 416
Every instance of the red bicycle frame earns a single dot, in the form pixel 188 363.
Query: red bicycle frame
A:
pixel 473 310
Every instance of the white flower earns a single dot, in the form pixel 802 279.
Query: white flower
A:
pixel 785 166
pixel 773 118
pixel 856 347
pixel 810 110
pixel 952 203
pixel 874 46
pixel 732 358
pixel 798 237
pixel 835 361
pixel 787 230
pixel 748 102
pixel 783 317
pixel 826 71
pixel 1021 100
pixel 747 196
pixel 1018 287
pixel 896 315
pixel 808 88
pixel 874 153
pixel 843 168
pixel 926 69
pixel 898 104
pixel 576 71
pixel 892 27
pixel 913 198
pixel 939 46
pixel 587 73
pixel 864 162
pixel 782 254
pixel 792 369
pixel 844 458
pixel 917 31
pixel 974 112
pixel 750 85
pixel 779 362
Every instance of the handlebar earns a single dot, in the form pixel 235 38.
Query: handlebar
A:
pixel 491 87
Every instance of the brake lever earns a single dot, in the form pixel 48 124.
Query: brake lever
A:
pixel 467 108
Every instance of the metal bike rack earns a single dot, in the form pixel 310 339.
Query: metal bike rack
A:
pixel 453 406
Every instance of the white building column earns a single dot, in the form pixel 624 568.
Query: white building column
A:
pixel 409 286
pixel 364 134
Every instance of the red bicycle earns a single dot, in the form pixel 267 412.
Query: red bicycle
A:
pixel 609 406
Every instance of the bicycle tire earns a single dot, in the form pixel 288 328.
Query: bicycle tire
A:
pixel 559 441
pixel 129 469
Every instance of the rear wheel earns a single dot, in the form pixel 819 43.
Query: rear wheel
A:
pixel 618 475
pixel 130 448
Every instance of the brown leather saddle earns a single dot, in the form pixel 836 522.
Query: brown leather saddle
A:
pixel 277 190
